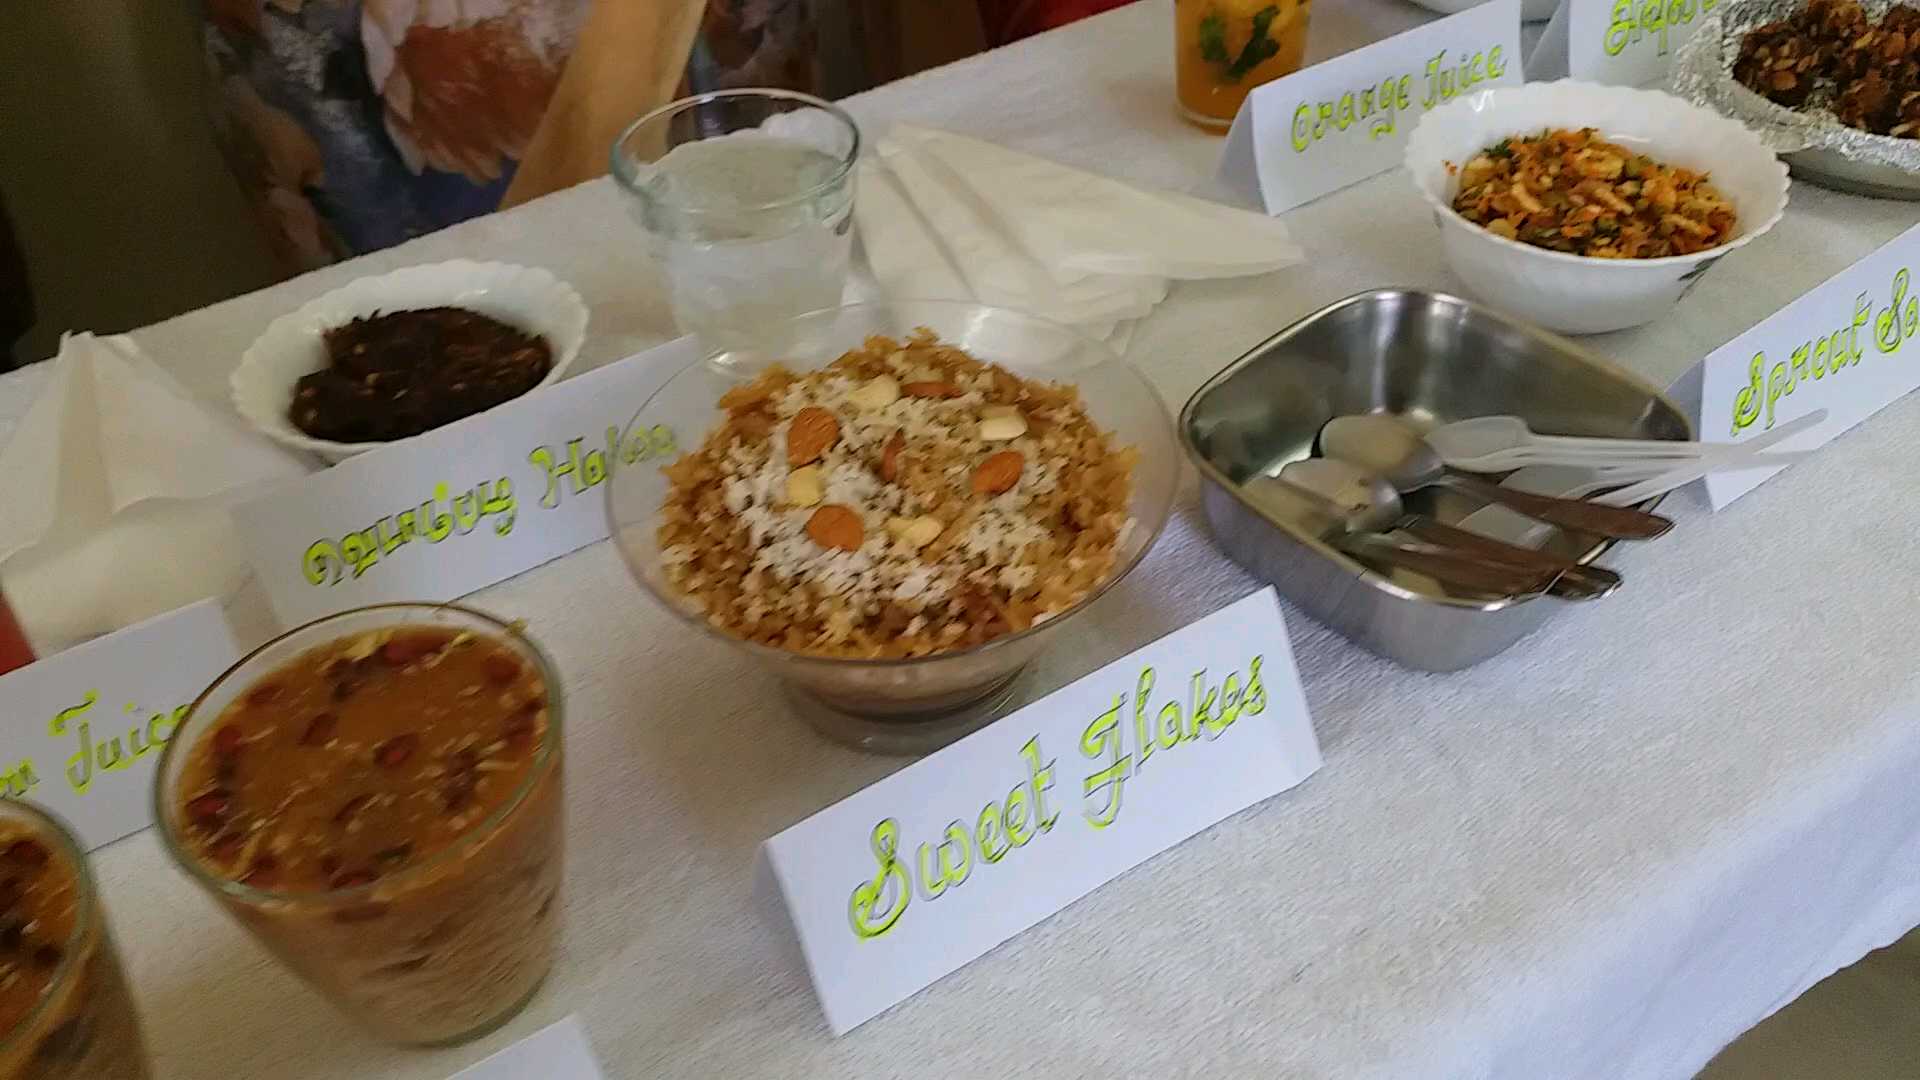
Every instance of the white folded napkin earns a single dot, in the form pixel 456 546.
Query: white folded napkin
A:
pixel 116 486
pixel 942 216
pixel 1080 223
pixel 995 267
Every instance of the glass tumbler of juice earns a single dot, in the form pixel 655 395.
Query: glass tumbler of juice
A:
pixel 377 797
pixel 1223 49
pixel 65 1012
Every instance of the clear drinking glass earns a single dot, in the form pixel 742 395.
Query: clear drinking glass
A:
pixel 746 197
pixel 438 953
pixel 85 1028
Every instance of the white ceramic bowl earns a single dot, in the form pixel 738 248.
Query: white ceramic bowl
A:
pixel 1530 10
pixel 526 297
pixel 1571 293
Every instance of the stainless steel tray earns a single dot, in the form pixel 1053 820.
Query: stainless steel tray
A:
pixel 1431 358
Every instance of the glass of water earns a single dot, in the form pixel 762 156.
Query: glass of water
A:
pixel 746 197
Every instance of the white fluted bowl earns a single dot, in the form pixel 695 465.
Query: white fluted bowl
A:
pixel 1574 294
pixel 526 297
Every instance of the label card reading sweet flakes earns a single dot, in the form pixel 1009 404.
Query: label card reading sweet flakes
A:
pixel 558 1051
pixel 462 507
pixel 907 881
pixel 1338 122
pixel 84 727
pixel 1623 42
pixel 1847 347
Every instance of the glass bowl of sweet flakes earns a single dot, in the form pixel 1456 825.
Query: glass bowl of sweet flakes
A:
pixel 897 506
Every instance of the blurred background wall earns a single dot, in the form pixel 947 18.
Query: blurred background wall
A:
pixel 121 203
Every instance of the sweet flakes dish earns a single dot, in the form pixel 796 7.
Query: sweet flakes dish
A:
pixel 1571 191
pixel 904 501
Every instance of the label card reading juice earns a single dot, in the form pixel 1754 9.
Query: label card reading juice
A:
pixel 463 506
pixel 84 727
pixel 1622 42
pixel 558 1051
pixel 1847 347
pixel 1338 122
pixel 907 881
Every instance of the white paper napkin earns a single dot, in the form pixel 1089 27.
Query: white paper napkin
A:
pixel 1079 223
pixel 116 485
pixel 994 265
pixel 946 217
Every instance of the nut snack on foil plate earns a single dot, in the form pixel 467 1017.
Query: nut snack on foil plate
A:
pixel 1810 137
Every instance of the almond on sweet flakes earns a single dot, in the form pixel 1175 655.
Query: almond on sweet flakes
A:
pixel 903 501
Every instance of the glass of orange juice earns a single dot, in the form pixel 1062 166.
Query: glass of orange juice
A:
pixel 1225 48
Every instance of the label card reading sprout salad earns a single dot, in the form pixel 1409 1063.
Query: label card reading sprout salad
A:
pixel 900 884
pixel 1847 347
pixel 463 506
pixel 1338 122
pixel 84 727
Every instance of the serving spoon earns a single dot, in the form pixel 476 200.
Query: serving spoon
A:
pixel 1367 505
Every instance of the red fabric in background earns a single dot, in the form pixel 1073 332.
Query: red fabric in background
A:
pixel 1011 20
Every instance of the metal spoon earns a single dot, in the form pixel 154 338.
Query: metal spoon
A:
pixel 1329 521
pixel 1372 441
pixel 1371 505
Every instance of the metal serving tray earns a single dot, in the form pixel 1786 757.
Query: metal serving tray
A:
pixel 1429 358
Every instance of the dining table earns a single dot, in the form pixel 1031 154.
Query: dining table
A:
pixel 1604 853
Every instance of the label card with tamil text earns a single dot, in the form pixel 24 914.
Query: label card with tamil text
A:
pixel 462 507
pixel 558 1051
pixel 84 727
pixel 1621 42
pixel 918 875
pixel 1847 347
pixel 1338 122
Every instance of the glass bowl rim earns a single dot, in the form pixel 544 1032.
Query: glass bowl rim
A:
pixel 1111 361
pixel 186 859
pixel 87 911
pixel 624 174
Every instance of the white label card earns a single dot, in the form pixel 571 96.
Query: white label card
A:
pixel 900 884
pixel 84 727
pixel 1338 122
pixel 1622 42
pixel 558 1051
pixel 460 508
pixel 1847 346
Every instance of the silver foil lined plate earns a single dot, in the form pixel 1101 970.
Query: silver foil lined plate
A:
pixel 1814 144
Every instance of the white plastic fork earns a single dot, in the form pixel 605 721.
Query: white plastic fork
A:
pixel 1747 455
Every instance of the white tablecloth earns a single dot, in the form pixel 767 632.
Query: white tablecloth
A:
pixel 1603 854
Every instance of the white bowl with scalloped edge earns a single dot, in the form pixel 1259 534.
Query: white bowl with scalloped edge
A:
pixel 525 297
pixel 1569 293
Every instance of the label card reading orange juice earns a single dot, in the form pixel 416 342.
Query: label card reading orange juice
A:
pixel 918 875
pixel 84 727
pixel 480 500
pixel 1338 122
